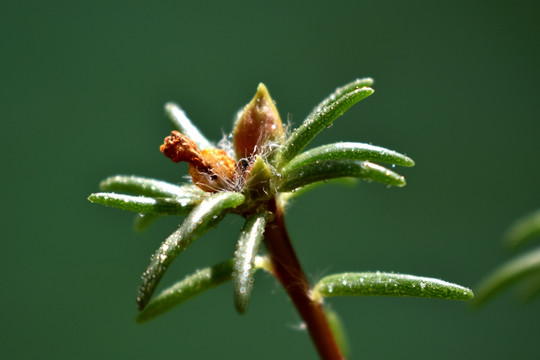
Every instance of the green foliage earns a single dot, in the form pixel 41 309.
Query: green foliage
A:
pixel 189 287
pixel 203 217
pixel 388 284
pixel 351 151
pixel 331 169
pixel 323 116
pixel 244 258
pixel 523 231
pixel 181 122
pixel 143 204
pixel 523 267
pixel 261 184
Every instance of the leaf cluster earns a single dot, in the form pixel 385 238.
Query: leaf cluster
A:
pixel 522 268
pixel 283 173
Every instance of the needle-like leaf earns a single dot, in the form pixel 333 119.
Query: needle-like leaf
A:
pixel 351 151
pixel 150 187
pixel 330 169
pixel 508 274
pixel 143 204
pixel 388 284
pixel 194 285
pixel 189 287
pixel 244 259
pixel 180 122
pixel 340 91
pixel 523 230
pixel 203 217
pixel 323 116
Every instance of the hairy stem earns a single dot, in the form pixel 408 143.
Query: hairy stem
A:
pixel 289 272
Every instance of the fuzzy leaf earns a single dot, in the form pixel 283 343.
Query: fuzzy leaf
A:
pixel 323 116
pixel 150 187
pixel 523 230
pixel 351 151
pixel 358 83
pixel 189 287
pixel 194 285
pixel 508 274
pixel 244 259
pixel 143 204
pixel 180 122
pixel 388 284
pixel 203 217
pixel 331 169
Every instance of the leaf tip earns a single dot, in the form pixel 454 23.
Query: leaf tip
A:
pixel 93 198
pixel 409 162
pixel 140 318
pixel 464 294
pixel 170 107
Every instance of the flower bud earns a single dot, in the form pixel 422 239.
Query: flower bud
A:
pixel 258 126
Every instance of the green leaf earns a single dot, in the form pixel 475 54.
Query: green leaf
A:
pixel 194 285
pixel 150 187
pixel 323 116
pixel 388 284
pixel 353 85
pixel 330 169
pixel 143 221
pixel 244 258
pixel 143 204
pixel 523 230
pixel 338 330
pixel 508 274
pixel 180 122
pixel 203 217
pixel 189 287
pixel 351 151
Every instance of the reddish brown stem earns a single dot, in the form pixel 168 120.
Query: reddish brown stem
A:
pixel 289 272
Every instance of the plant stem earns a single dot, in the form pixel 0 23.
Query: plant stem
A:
pixel 288 271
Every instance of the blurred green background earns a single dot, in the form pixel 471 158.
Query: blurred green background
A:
pixel 82 88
